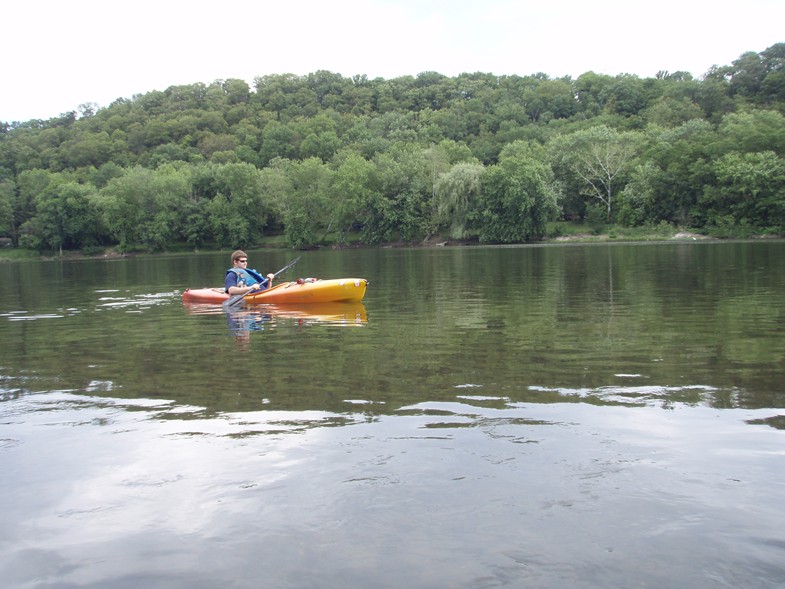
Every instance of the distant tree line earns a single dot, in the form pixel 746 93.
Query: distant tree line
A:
pixel 322 157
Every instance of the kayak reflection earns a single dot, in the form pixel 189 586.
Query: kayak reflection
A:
pixel 254 318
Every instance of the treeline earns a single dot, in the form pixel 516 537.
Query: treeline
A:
pixel 322 158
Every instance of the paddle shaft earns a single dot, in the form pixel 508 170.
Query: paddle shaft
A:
pixel 237 298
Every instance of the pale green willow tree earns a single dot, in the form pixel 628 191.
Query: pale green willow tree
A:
pixel 457 193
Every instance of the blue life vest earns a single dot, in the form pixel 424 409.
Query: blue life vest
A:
pixel 247 277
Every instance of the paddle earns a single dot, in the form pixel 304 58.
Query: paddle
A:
pixel 237 298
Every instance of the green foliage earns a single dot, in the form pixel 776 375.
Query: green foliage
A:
pixel 750 191
pixel 7 198
pixel 457 195
pixel 237 208
pixel 518 196
pixel 677 168
pixel 636 201
pixel 757 130
pixel 304 202
pixel 598 158
pixel 65 218
pixel 406 186
pixel 355 187
pixel 321 156
pixel 142 207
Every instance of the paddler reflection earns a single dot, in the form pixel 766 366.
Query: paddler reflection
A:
pixel 242 322
pixel 245 320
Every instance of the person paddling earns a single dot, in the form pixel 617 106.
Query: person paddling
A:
pixel 241 279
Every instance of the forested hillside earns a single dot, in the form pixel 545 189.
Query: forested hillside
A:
pixel 322 157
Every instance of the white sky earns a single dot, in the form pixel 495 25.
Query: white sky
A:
pixel 56 55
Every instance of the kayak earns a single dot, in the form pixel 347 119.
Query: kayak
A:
pixel 335 290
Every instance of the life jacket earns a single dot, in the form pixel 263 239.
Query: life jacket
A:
pixel 247 277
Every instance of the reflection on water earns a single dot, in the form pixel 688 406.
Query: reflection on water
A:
pixel 243 321
pixel 601 416
pixel 477 492
pixel 311 313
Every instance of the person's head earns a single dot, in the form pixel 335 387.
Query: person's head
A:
pixel 239 257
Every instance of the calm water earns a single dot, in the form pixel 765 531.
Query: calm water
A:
pixel 543 417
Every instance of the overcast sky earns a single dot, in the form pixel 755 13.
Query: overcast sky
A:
pixel 57 54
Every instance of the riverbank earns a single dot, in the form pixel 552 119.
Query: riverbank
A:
pixel 558 233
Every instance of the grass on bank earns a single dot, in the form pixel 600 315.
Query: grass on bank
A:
pixel 562 230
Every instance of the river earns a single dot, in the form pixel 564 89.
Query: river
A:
pixel 549 416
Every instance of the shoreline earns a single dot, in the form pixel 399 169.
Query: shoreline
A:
pixel 111 253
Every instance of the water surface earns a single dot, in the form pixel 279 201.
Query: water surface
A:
pixel 543 416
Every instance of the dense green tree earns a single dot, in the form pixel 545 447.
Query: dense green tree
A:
pixel 636 202
pixel 772 89
pixel 229 202
pixel 30 186
pixel 628 95
pixel 278 141
pixel 66 217
pixel 678 167
pixel 757 130
pixel 329 89
pixel 87 149
pixel 143 207
pixel 550 99
pixel 672 112
pixel 518 195
pixel 746 74
pixel 286 95
pixel 7 198
pixel 406 181
pixel 750 189
pixel 211 144
pixel 592 90
pixel 101 176
pixel 306 208
pixel 355 190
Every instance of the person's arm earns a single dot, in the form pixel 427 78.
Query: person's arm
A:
pixel 230 285
pixel 230 281
pixel 238 290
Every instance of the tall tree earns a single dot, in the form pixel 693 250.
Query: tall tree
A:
pixel 7 197
pixel 457 195
pixel 66 217
pixel 750 189
pixel 143 208
pixel 599 156
pixel 355 188
pixel 518 195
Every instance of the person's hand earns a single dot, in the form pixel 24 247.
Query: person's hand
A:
pixel 270 277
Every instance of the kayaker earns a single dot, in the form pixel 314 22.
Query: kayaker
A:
pixel 241 279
